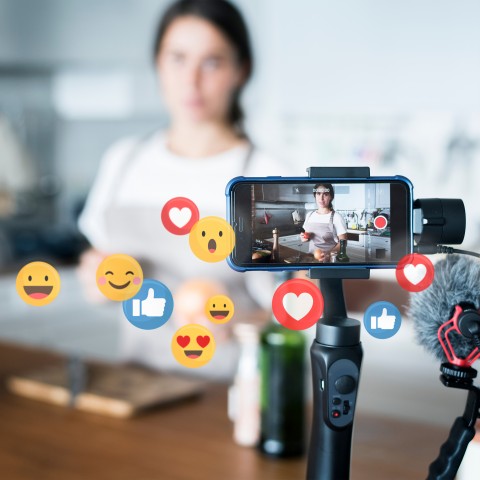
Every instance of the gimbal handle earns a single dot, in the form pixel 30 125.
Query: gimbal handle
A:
pixel 336 355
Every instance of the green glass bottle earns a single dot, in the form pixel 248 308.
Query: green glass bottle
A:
pixel 282 393
pixel 342 254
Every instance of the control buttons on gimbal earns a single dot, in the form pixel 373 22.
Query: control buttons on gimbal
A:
pixel 337 401
pixel 341 387
pixel 345 384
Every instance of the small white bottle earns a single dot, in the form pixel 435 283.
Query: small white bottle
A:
pixel 244 395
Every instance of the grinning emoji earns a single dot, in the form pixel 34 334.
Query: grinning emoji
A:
pixel 212 239
pixel 219 309
pixel 119 277
pixel 193 345
pixel 38 283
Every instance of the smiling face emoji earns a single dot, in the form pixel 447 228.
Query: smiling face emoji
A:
pixel 38 283
pixel 219 309
pixel 119 277
pixel 212 239
pixel 193 345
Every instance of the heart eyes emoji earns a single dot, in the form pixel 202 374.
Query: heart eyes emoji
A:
pixel 193 345
pixel 203 341
pixel 184 340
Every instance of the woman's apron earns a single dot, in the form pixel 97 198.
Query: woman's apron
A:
pixel 325 236
pixel 139 232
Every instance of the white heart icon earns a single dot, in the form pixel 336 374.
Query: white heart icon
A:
pixel 297 306
pixel 180 217
pixel 415 273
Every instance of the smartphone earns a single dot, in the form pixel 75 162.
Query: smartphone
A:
pixel 298 223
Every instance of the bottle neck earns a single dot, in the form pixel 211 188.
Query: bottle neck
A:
pixel 248 363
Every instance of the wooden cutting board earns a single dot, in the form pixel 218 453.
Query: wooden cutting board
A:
pixel 117 391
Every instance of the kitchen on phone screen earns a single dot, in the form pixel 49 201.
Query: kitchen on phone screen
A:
pixel 303 222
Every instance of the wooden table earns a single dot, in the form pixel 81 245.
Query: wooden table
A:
pixel 187 441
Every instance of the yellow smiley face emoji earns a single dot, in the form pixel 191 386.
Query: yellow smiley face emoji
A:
pixel 119 277
pixel 193 345
pixel 219 309
pixel 38 283
pixel 212 239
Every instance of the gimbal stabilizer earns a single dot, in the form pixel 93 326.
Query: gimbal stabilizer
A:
pixel 336 352
pixel 336 356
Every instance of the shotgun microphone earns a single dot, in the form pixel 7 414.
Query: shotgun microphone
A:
pixel 446 315
pixel 447 321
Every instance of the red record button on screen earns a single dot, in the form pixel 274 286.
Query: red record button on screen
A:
pixel 380 222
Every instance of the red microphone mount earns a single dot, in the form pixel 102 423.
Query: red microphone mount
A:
pixel 457 325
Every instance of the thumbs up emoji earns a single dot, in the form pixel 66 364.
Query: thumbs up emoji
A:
pixel 383 322
pixel 150 306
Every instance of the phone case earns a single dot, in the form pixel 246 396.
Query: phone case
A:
pixel 289 263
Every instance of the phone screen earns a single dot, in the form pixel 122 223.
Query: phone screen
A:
pixel 305 223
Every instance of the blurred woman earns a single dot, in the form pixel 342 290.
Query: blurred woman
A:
pixel 203 58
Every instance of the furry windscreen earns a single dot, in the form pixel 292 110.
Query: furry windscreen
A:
pixel 457 280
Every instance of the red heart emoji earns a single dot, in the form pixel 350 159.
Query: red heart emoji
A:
pixel 203 341
pixel 183 341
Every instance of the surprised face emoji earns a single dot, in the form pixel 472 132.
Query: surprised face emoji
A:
pixel 212 239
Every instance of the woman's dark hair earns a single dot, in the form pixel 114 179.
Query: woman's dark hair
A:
pixel 331 191
pixel 223 15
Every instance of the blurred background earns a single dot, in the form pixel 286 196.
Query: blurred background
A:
pixel 389 85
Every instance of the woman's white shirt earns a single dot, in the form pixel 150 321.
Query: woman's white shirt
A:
pixel 145 172
pixel 122 215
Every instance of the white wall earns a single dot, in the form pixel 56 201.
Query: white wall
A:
pixel 372 55
pixel 389 85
